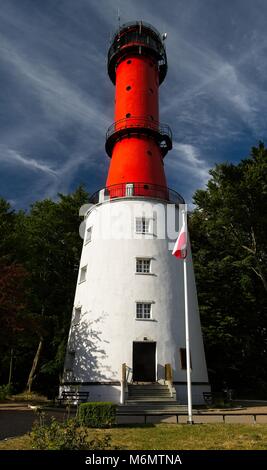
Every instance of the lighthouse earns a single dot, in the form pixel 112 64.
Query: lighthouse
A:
pixel 127 329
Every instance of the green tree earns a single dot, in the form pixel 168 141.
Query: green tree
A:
pixel 228 234
pixel 43 244
pixel 12 290
pixel 52 259
pixel 7 225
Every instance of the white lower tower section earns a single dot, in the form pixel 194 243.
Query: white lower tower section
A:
pixel 111 297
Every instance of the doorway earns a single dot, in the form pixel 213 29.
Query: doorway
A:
pixel 144 361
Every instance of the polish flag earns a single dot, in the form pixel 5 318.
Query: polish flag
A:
pixel 180 247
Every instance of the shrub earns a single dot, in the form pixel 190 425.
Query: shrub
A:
pixel 5 391
pixel 97 415
pixel 30 396
pixel 66 436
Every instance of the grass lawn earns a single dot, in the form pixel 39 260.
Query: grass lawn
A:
pixel 176 437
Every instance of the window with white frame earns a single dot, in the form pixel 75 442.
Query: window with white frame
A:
pixel 88 235
pixel 142 225
pixel 83 274
pixel 143 310
pixel 143 265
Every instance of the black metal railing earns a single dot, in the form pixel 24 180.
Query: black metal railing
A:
pixel 146 190
pixel 139 122
pixel 139 125
pixel 129 38
pixel 136 24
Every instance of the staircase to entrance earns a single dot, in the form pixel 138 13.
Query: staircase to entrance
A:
pixel 154 398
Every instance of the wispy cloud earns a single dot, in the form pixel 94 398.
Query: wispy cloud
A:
pixel 187 170
pixel 185 160
pixel 217 85
pixel 57 100
pixel 12 157
pixel 57 95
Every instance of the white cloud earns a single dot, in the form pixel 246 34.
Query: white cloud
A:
pixel 60 99
pixel 212 77
pixel 12 157
pixel 186 162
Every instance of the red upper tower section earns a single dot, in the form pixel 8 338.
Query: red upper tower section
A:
pixel 136 141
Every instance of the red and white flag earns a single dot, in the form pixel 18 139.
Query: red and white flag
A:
pixel 180 247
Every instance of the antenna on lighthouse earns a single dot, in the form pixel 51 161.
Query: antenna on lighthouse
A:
pixel 119 18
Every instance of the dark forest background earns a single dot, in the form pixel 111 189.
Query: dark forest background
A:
pixel 39 261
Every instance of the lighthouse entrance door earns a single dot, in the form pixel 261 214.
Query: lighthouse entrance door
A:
pixel 144 361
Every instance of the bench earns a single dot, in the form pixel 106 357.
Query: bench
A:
pixel 208 398
pixel 77 396
pixel 223 397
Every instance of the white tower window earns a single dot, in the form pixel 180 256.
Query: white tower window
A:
pixel 88 235
pixel 143 310
pixel 83 274
pixel 142 225
pixel 143 265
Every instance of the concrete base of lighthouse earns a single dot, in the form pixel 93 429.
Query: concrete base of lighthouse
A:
pixel 113 393
pixel 105 330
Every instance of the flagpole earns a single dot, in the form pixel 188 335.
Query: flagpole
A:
pixel 187 339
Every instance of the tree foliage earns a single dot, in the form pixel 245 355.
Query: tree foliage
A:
pixel 46 242
pixel 228 233
pixel 12 298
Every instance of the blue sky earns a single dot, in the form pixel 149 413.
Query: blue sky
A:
pixel 57 100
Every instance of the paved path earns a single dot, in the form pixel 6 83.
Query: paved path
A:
pixel 17 419
pixel 235 415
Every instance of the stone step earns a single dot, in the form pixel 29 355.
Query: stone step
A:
pixel 132 410
pixel 148 392
pixel 151 398
pixel 151 401
pixel 148 389
pixel 147 386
